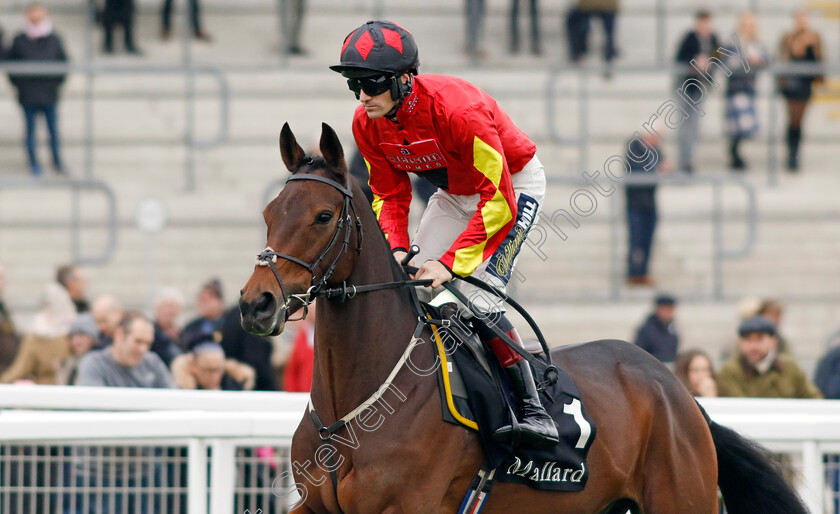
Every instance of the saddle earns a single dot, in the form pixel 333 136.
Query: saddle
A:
pixel 475 394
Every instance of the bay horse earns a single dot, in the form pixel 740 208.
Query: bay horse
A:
pixel 655 450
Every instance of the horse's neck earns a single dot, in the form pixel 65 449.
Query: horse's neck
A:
pixel 358 342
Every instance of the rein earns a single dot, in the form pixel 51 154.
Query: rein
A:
pixel 269 256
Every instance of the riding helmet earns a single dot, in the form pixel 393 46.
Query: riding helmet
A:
pixel 378 47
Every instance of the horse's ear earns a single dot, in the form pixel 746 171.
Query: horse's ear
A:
pixel 331 149
pixel 290 150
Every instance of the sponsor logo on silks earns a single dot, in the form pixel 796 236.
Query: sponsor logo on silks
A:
pixel 418 156
pixel 548 472
pixel 501 263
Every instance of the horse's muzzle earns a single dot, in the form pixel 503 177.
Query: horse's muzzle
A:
pixel 264 316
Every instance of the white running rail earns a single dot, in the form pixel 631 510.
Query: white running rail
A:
pixel 809 430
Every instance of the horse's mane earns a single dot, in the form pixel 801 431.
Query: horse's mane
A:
pixel 311 163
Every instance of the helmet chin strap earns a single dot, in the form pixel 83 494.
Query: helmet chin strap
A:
pixel 404 91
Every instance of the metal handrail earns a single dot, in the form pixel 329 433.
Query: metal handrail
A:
pixel 44 68
pixel 717 181
pixel 583 98
pixel 76 187
pixel 719 251
pixel 190 72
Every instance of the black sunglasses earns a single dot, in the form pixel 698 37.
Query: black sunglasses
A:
pixel 372 86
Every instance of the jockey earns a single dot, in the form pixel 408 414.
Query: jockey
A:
pixel 490 182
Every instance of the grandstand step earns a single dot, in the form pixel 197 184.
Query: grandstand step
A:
pixel 139 128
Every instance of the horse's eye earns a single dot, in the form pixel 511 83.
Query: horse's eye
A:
pixel 324 218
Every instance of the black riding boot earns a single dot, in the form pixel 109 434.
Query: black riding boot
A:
pixel 537 429
pixel 794 136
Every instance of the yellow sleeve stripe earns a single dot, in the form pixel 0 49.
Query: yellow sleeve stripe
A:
pixel 377 202
pixel 467 259
pixel 495 213
pixel 377 205
pixel 488 161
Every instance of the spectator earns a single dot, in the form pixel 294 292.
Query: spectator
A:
pixel 295 11
pixel 534 15
pixel 694 369
pixel 699 46
pixel 205 367
pixel 107 311
pixel 84 336
pixel 748 307
pixel 658 335
pixel 38 94
pixel 741 117
pixel 73 279
pixel 801 45
pixel 119 12
pixel 195 19
pixel 45 347
pixel 475 28
pixel 9 340
pixel 759 371
pixel 772 310
pixel 827 377
pixel 128 361
pixel 249 349
pixel 577 32
pixel 168 308
pixel 645 159
pixel 606 10
pixel 298 375
pixel 211 307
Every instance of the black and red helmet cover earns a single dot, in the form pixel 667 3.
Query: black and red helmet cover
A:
pixel 378 47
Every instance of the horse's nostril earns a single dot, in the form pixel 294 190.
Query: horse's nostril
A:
pixel 265 306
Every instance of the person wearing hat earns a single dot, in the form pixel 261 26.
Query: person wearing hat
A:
pixel 490 183
pixel 758 370
pixel 658 334
pixel 83 337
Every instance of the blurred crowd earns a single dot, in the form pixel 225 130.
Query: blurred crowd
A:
pixel 212 351
pixel 73 342
pixel 759 364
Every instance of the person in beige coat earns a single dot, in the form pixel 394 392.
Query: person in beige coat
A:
pixel 45 347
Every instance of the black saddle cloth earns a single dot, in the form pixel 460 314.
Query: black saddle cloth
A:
pixel 491 404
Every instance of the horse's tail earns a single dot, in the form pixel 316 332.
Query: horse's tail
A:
pixel 748 478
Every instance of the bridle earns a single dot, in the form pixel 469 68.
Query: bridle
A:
pixel 268 257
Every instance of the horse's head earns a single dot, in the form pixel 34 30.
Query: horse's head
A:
pixel 312 235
